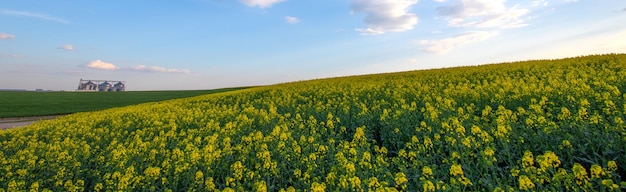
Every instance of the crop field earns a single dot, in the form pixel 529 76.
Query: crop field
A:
pixel 546 125
pixel 28 103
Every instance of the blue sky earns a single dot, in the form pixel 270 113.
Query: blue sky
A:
pixel 206 44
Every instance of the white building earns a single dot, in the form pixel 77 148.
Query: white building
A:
pixel 101 85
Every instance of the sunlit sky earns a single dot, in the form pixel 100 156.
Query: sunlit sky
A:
pixel 206 44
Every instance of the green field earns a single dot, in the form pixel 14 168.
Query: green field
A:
pixel 29 103
pixel 545 125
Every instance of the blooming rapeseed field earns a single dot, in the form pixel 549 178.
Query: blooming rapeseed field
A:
pixel 548 125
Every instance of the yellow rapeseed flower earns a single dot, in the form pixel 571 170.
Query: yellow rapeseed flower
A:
pixel 467 142
pixel 33 187
pixel 460 130
pixel 428 143
pixel 318 187
pixel 455 155
pixel 456 170
pixel 525 183
pixel 400 179
pixel 612 166
pixel 260 186
pixel 355 182
pixel 98 187
pixel 548 160
pixel 565 144
pixel 501 131
pixel 579 171
pixel 428 186
pixel 528 160
pixel 367 157
pixel 515 172
pixel 152 172
pixel 199 177
pixel 596 172
pixel 609 184
pixel 489 152
pixel 209 184
pixel 350 168
pixel 372 184
pixel 475 130
pixel 237 169
pixel 402 153
pixel 580 174
pixel 427 172
pixel 297 173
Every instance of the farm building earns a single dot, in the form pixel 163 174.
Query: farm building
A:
pixel 106 86
pixel 101 85
pixel 88 86
pixel 119 86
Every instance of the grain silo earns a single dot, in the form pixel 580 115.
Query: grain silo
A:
pixel 105 86
pixel 119 86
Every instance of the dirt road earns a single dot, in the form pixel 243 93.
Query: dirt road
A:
pixel 15 122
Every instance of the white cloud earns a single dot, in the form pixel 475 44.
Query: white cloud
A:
pixel 156 69
pixel 447 44
pixel 292 20
pixel 34 15
pixel 483 14
pixel 261 3
pixel 385 15
pixel 97 64
pixel 66 47
pixel 6 36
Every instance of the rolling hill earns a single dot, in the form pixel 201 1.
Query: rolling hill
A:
pixel 542 125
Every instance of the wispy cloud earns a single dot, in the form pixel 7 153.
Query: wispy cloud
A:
pixel 385 15
pixel 482 19
pixel 4 55
pixel 6 36
pixel 483 14
pixel 144 68
pixel 537 3
pixel 34 15
pixel 101 65
pixel 292 20
pixel 66 47
pixel 261 3
pixel 447 44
